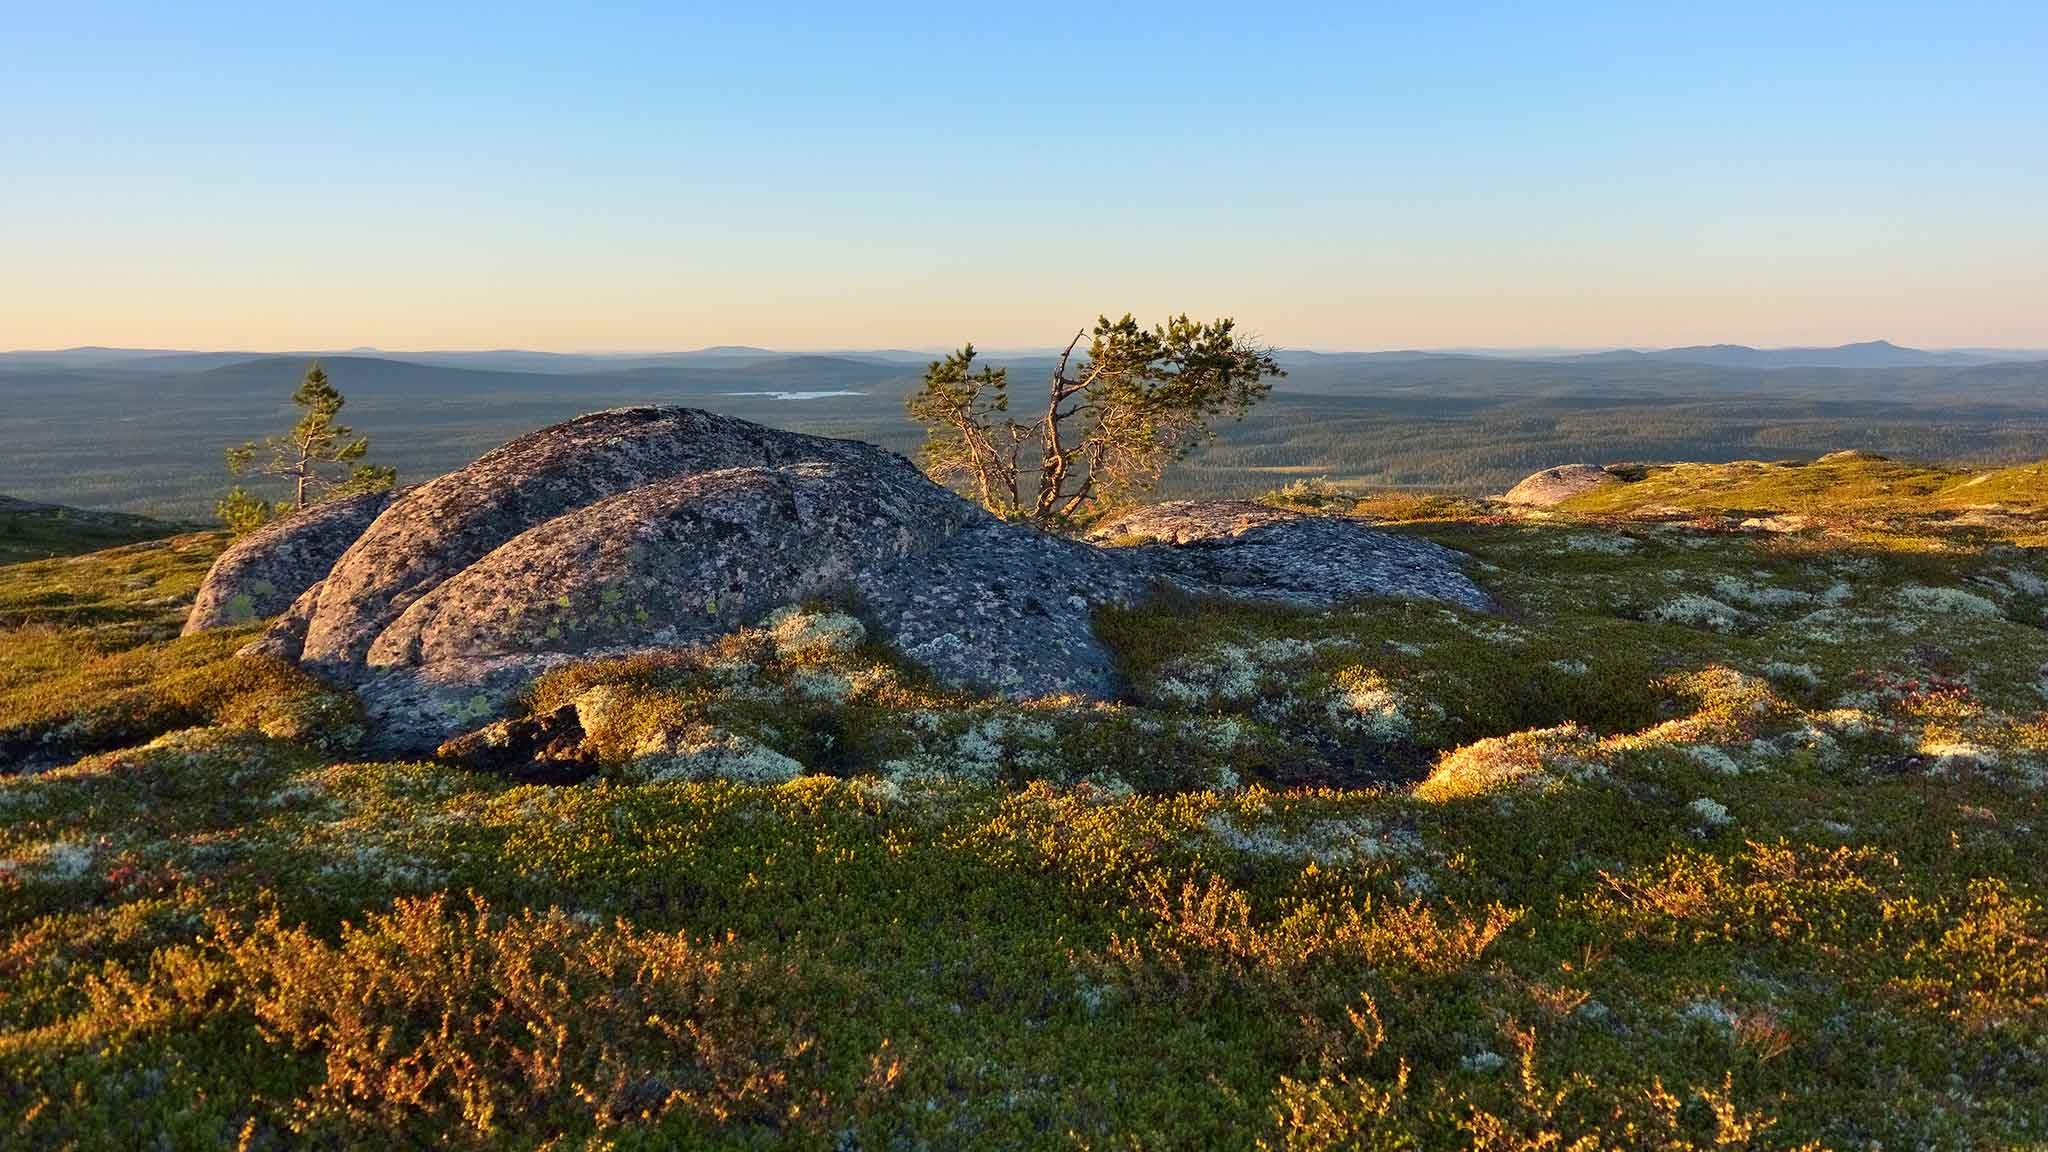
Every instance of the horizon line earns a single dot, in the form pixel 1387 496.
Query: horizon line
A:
pixel 938 349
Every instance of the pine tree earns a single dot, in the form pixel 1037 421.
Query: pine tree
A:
pixel 318 457
pixel 1141 399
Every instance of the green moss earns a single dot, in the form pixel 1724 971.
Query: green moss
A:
pixel 2024 486
pixel 60 696
pixel 1843 484
pixel 125 595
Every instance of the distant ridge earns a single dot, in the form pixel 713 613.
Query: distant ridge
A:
pixel 1867 354
pixel 1864 354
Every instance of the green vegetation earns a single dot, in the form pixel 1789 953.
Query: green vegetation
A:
pixel 1140 400
pixel 93 660
pixel 318 457
pixel 1716 837
pixel 1843 484
pixel 116 597
pixel 40 531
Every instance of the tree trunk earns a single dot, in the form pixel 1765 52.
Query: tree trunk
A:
pixel 1052 469
pixel 1052 461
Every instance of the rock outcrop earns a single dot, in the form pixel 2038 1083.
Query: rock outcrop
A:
pixel 1252 551
pixel 1189 522
pixel 262 573
pixel 646 528
pixel 1554 486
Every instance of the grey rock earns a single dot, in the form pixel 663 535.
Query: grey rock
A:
pixel 447 524
pixel 1008 609
pixel 262 573
pixel 648 528
pixel 1554 486
pixel 286 634
pixel 676 561
pixel 1251 551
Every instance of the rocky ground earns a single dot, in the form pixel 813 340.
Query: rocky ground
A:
pixel 1717 821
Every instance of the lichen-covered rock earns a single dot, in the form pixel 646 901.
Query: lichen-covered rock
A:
pixel 1554 486
pixel 442 527
pixel 1255 552
pixel 650 528
pixel 1008 609
pixel 262 573
pixel 675 561
pixel 286 634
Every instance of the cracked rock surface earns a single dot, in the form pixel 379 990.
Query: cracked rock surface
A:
pixel 646 528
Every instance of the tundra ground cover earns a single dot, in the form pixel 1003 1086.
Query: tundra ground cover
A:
pixel 1761 870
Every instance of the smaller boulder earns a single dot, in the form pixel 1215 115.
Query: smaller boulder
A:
pixel 1554 486
pixel 261 574
pixel 546 748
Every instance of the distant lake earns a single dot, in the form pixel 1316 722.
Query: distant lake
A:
pixel 813 395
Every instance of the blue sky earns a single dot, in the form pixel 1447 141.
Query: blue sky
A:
pixel 658 176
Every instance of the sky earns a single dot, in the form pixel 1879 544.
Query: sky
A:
pixel 1334 175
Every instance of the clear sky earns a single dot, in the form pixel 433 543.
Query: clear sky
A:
pixel 1340 175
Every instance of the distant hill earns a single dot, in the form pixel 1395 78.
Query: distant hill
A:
pixel 143 430
pixel 69 359
pixel 1869 354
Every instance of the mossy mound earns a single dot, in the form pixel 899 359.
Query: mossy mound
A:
pixel 31 531
pixel 1838 484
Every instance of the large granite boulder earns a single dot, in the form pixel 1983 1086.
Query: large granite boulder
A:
pixel 646 528
pixel 1554 486
pixel 447 524
pixel 676 561
pixel 263 572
